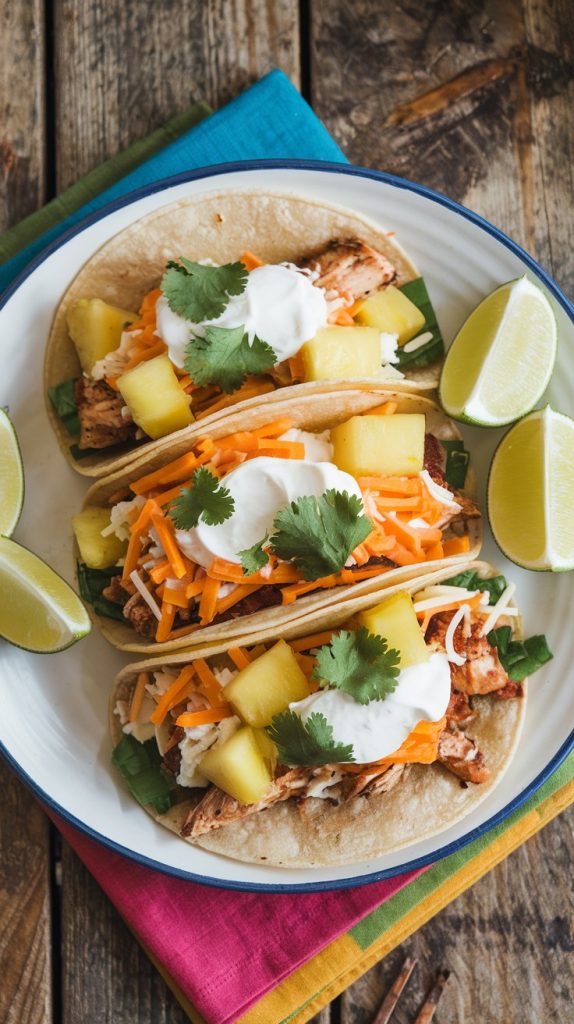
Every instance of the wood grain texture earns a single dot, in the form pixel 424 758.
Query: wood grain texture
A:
pixel 125 66
pixel 106 976
pixel 25 947
pixel 22 110
pixel 472 97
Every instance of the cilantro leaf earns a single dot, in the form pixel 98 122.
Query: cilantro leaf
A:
pixel 519 658
pixel 225 357
pixel 307 743
pixel 470 580
pixel 207 499
pixel 255 558
pixel 319 534
pixel 197 292
pixel 360 664
pixel 140 765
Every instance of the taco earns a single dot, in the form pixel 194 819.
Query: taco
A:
pixel 175 320
pixel 263 521
pixel 379 726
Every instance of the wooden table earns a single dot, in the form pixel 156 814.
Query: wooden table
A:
pixel 472 97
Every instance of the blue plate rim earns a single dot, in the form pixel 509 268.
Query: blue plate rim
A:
pixel 217 170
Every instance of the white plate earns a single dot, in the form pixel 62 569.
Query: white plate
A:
pixel 53 718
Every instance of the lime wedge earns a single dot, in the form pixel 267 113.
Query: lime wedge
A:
pixel 531 492
pixel 11 477
pixel 38 610
pixel 501 360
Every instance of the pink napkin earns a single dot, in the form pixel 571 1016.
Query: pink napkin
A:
pixel 246 938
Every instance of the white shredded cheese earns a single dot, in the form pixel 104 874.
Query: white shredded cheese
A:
pixel 141 587
pixel 452 655
pixel 418 342
pixel 436 602
pixel 498 609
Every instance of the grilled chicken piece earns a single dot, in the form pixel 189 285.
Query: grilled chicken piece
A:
pixel 351 268
pixel 459 709
pixel 100 414
pixel 218 808
pixel 460 754
pixel 115 592
pixel 482 671
pixel 140 616
pixel 373 779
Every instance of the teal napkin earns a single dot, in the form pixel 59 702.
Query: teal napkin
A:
pixel 268 120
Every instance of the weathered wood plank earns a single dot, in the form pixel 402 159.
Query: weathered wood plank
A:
pixel 105 974
pixel 472 99
pixel 123 68
pixel 22 110
pixel 25 964
pixel 508 943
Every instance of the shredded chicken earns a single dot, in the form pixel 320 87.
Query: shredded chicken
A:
pixel 217 808
pixel 140 616
pixel 373 779
pixel 100 414
pixel 351 268
pixel 460 754
pixel 482 671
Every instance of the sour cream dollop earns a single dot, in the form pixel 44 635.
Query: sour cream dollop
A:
pixel 280 305
pixel 378 728
pixel 260 489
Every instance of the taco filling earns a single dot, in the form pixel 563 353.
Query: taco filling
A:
pixel 262 517
pixel 334 716
pixel 211 336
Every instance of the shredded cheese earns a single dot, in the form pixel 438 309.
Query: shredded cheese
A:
pixel 452 655
pixel 498 609
pixel 418 342
pixel 143 590
pixel 437 602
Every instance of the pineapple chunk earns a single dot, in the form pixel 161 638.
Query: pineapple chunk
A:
pixel 152 394
pixel 96 329
pixel 267 686
pixel 382 445
pixel 395 619
pixel 238 767
pixel 267 748
pixel 97 552
pixel 390 311
pixel 336 353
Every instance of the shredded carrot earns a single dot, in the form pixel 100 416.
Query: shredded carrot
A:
pixel 306 643
pixel 296 450
pixel 176 470
pixel 208 602
pixel 160 572
pixel 175 595
pixel 209 685
pixel 166 622
pixel 174 694
pixel 175 634
pixel 165 531
pixel 306 662
pixel 275 428
pixel 401 555
pixel 456 546
pixel 236 595
pixel 251 390
pixel 290 594
pixel 435 552
pixel 144 355
pixel 450 606
pixel 293 449
pixel 395 504
pixel 242 441
pixel 391 484
pixel 342 318
pixel 189 719
pixel 360 554
pixel 138 696
pixel 297 367
pixel 195 588
pixel 250 260
pixel 356 575
pixel 230 572
pixel 377 543
pixel 135 542
pixel 239 657
pixel 420 747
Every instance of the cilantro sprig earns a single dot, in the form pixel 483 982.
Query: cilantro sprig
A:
pixel 359 663
pixel 519 658
pixel 319 534
pixel 206 499
pixel 225 357
pixel 197 292
pixel 255 558
pixel 307 743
